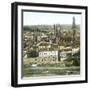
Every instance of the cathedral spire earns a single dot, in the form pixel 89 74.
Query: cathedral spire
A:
pixel 73 23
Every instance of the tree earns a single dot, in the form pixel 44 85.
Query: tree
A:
pixel 57 31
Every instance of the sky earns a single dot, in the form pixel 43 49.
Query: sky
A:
pixel 40 18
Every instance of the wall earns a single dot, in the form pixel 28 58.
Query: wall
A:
pixel 5 46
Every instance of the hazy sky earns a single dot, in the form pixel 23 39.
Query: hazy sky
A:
pixel 38 18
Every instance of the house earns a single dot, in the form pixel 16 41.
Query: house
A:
pixel 48 53
pixel 43 46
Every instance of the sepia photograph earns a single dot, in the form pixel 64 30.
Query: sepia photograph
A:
pixel 50 44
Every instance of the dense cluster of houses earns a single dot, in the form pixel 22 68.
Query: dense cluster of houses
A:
pixel 40 46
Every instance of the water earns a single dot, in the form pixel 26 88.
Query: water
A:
pixel 50 71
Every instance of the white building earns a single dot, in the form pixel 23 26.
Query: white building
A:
pixel 48 53
pixel 52 53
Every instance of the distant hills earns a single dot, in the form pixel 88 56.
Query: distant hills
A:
pixel 45 28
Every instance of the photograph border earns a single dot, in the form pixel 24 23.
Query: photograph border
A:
pixel 14 43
